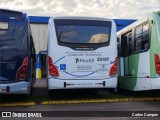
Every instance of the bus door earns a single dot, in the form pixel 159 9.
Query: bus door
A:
pixel 127 50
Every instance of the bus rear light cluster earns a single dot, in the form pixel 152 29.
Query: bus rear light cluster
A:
pixel 157 63
pixel 53 71
pixel 22 71
pixel 114 68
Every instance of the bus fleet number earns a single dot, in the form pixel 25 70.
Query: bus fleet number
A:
pixel 102 59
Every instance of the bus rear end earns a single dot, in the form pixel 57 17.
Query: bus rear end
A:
pixel 82 53
pixel 14 58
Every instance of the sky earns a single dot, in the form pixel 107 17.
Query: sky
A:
pixel 114 9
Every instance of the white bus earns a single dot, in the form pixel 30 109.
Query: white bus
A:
pixel 139 54
pixel 82 53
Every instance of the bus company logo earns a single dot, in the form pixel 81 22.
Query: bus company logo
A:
pixel 77 60
pixel 82 60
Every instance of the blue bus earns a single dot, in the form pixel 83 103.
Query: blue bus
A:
pixel 17 53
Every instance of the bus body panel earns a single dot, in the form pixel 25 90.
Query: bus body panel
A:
pixel 142 69
pixel 77 84
pixel 138 73
pixel 155 43
pixel 15 88
pixel 81 68
pixel 12 51
pixel 15 47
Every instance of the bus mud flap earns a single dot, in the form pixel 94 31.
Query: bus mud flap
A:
pixel 64 84
pixel 104 83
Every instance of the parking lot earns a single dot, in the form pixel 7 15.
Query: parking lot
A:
pixel 40 96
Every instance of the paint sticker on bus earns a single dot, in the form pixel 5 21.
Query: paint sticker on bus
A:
pixel 62 66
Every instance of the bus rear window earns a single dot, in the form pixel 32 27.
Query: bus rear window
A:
pixel 3 25
pixel 82 32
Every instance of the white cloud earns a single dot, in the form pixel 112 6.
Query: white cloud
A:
pixel 133 9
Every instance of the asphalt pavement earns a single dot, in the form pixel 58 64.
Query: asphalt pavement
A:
pixel 134 107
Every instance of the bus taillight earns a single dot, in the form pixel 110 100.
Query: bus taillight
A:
pixel 114 68
pixel 22 71
pixel 53 71
pixel 157 63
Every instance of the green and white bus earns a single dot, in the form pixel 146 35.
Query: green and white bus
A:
pixel 139 54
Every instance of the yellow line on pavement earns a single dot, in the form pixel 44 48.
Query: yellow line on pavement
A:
pixel 97 100
pixel 49 102
pixel 18 104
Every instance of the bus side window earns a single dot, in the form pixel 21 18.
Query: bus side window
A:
pixel 130 43
pixel 142 38
pixel 138 38
pixel 124 46
pixel 145 39
pixel 32 48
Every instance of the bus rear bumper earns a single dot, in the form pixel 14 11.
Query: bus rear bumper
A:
pixel 155 83
pixel 140 84
pixel 78 84
pixel 15 88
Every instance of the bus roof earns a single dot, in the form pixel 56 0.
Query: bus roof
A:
pixel 136 23
pixel 131 26
pixel 82 18
pixel 12 13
